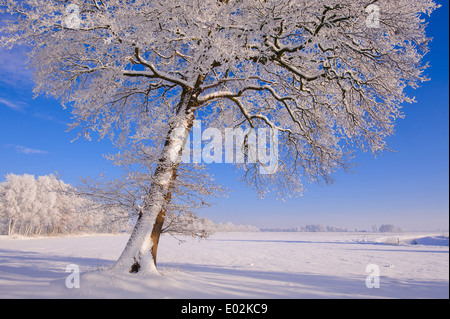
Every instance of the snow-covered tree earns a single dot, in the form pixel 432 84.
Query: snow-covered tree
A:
pixel 19 204
pixel 327 75
pixel 389 228
pixel 49 192
pixel 47 205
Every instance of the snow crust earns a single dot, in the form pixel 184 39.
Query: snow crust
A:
pixel 232 265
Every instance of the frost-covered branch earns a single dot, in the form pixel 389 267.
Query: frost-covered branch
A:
pixel 154 72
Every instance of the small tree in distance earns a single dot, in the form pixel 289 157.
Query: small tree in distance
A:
pixel 389 228
pixel 328 76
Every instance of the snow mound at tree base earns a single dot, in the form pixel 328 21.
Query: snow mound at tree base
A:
pixel 111 284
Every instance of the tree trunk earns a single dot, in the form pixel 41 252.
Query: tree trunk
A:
pixel 157 227
pixel 20 226
pixel 11 225
pixel 140 252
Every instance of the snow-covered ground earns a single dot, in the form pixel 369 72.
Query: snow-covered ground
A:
pixel 233 265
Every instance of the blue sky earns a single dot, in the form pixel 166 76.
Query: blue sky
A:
pixel 408 188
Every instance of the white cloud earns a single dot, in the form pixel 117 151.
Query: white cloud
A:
pixel 50 118
pixel 13 69
pixel 27 150
pixel 16 106
pixel 21 107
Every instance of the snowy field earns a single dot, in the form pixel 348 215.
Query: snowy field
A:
pixel 233 265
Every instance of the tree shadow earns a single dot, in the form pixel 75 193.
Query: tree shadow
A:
pixel 249 283
pixel 40 265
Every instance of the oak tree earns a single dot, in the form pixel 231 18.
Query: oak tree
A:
pixel 329 76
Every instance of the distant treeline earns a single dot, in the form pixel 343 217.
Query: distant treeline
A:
pixel 386 228
pixel 48 206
